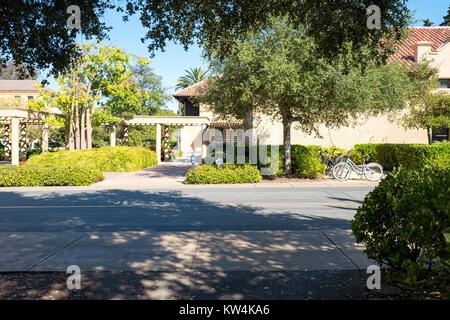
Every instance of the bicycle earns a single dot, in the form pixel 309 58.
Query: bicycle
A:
pixel 371 171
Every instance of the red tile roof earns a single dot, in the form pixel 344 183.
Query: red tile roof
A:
pixel 439 36
pixel 191 91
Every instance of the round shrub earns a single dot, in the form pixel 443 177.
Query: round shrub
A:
pixel 403 220
pixel 307 161
pixel 211 174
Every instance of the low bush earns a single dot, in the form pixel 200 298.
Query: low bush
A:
pixel 228 173
pixel 307 161
pixel 48 175
pixel 410 156
pixel 403 221
pixel 107 159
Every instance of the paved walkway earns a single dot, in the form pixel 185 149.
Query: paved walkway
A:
pixel 167 174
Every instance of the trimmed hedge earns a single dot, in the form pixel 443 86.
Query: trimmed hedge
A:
pixel 403 222
pixel 411 156
pixel 75 168
pixel 228 173
pixel 49 175
pixel 106 159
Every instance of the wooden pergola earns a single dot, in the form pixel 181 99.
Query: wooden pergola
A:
pixel 167 121
pixel 14 121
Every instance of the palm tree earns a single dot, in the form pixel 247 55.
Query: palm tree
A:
pixel 192 76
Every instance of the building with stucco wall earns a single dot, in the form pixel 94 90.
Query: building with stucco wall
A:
pixel 423 43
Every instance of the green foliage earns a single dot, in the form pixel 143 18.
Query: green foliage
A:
pixel 49 175
pixel 211 174
pixel 307 162
pixel 41 39
pixel 117 159
pixel 411 156
pixel 446 18
pixel 403 220
pixel 218 25
pixel 432 111
pixel 191 77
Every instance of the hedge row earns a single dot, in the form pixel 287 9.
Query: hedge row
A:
pixel 49 175
pixel 211 174
pixel 307 160
pixel 106 159
pixel 411 156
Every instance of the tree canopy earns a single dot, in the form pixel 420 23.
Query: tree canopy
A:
pixel 446 21
pixel 34 32
pixel 270 75
pixel 102 82
pixel 192 76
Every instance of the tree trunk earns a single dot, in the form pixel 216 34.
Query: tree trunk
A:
pixel 72 119
pixel 287 123
pixel 88 128
pixel 83 130
pixel 430 136
pixel 77 128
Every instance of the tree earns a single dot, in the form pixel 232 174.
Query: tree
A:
pixel 446 19
pixel 270 75
pixel 101 75
pixel 191 77
pixel 427 23
pixel 427 107
pixel 433 111
pixel 49 43
pixel 35 32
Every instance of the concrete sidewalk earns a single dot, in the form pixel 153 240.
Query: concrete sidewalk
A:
pixel 181 251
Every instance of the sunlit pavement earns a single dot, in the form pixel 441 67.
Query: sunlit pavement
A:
pixel 281 242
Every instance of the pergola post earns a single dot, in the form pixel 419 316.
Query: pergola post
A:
pixel 158 143
pixel 112 136
pixel 125 134
pixel 44 138
pixel 166 143
pixel 15 140
pixel 204 146
pixel 7 140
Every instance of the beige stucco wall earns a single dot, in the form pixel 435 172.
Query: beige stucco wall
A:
pixel 371 130
pixel 441 61
pixel 10 96
pixel 374 130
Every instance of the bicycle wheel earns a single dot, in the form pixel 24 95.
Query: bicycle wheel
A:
pixel 373 171
pixel 342 171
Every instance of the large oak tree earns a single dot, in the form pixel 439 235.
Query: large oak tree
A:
pixel 279 72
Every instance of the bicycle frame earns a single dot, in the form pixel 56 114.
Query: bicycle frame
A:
pixel 358 169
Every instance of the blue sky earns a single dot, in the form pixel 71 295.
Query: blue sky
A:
pixel 171 63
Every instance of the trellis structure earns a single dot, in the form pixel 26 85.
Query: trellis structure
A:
pixel 14 122
pixel 166 121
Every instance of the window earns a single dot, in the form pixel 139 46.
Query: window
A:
pixel 444 83
pixel 17 97
pixel 30 98
pixel 439 134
